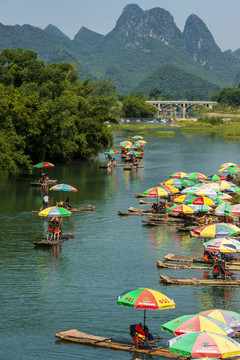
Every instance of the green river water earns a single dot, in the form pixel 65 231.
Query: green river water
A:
pixel 75 285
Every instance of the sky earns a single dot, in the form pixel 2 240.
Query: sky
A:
pixel 220 16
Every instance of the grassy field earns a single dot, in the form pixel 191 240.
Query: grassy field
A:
pixel 140 129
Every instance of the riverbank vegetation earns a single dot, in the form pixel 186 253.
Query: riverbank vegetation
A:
pixel 47 114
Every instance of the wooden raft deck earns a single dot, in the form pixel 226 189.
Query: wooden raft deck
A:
pixel 192 259
pixel 199 282
pixel 64 237
pixel 195 266
pixel 92 340
pixel 47 183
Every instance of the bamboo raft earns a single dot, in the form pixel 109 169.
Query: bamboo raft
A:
pixel 110 166
pixel 131 168
pixel 109 343
pixel 64 237
pixel 74 210
pixel 47 183
pixel 191 259
pixel 200 266
pixel 129 213
pixel 197 282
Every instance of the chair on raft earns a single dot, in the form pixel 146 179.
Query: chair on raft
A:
pixel 142 337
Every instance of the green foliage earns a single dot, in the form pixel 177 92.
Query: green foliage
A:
pixel 135 106
pixel 46 114
pixel 227 96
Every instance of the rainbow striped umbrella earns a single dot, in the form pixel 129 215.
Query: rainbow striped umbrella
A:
pixel 216 177
pixel 195 175
pixel 230 170
pixel 178 175
pixel 228 164
pixel 230 318
pixel 125 143
pixel 139 144
pixel 201 200
pixel 183 198
pixel 232 210
pixel 43 165
pixel 171 189
pixel 191 190
pixel 195 323
pixel 223 245
pixel 232 190
pixel 133 153
pixel 63 187
pixel 201 344
pixel 137 137
pixel 112 152
pixel 201 208
pixel 220 210
pixel 183 209
pixel 156 191
pixel 147 299
pixel 179 182
pixel 54 211
pixel 215 230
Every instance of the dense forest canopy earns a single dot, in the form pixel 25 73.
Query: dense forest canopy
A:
pixel 47 114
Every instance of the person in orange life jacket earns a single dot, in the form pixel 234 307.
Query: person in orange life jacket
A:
pixel 206 256
pixel 57 230
pixel 51 227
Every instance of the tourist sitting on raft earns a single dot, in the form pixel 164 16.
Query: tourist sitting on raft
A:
pixel 140 334
pixel 158 207
pixel 135 163
pixel 54 229
pixel 67 203
pixel 219 270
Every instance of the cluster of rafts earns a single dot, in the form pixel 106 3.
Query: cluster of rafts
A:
pixel 63 209
pixel 131 154
pixel 207 334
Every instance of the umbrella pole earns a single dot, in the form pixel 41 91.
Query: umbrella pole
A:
pixel 144 321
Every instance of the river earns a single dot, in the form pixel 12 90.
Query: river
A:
pixel 75 285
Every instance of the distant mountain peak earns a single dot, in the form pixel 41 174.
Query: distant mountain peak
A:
pixel 54 31
pixel 87 38
pixel 135 26
pixel 200 43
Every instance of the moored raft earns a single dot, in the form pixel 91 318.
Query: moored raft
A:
pixel 199 282
pixel 194 266
pixel 46 183
pixel 109 343
pixel 64 237
pixel 192 259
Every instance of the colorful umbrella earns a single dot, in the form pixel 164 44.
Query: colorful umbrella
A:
pixel 183 209
pixel 147 299
pixel 201 208
pixel 156 191
pixel 220 210
pixel 224 184
pixel 216 177
pixel 222 245
pixel 178 175
pixel 179 182
pixel 232 210
pixel 133 153
pixel 195 323
pixel 55 211
pixel 63 187
pixel 137 137
pixel 215 230
pixel 207 192
pixel 139 144
pixel 201 200
pixel 195 175
pixel 112 152
pixel 230 170
pixel 230 318
pixel 43 165
pixel 183 198
pixel 228 164
pixel 201 344
pixel 191 190
pixel 125 143
pixel 171 189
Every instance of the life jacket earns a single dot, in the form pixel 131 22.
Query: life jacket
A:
pixel 206 257
pixel 216 270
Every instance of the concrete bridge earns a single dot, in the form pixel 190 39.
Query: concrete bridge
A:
pixel 184 105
